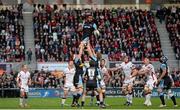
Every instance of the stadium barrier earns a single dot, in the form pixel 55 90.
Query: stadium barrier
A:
pixel 54 93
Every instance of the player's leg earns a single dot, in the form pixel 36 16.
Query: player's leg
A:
pixel 130 94
pixel 148 93
pixel 99 90
pixel 168 85
pixel 92 97
pixel 22 96
pixel 125 93
pixel 74 93
pixel 66 89
pixel 26 96
pixel 161 93
pixel 26 99
pixel 103 88
pixel 79 89
pixel 104 94
pixel 83 97
pixel 97 98
pixel 78 95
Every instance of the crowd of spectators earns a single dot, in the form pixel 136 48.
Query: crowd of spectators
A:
pixel 173 28
pixel 171 16
pixel 11 34
pixel 123 30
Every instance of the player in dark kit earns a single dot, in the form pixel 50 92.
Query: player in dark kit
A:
pixel 92 78
pixel 78 83
pixel 88 28
pixel 165 82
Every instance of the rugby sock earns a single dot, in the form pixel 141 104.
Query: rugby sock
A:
pixel 74 99
pixel 174 100
pixel 21 101
pixel 92 97
pixel 127 97
pixel 130 97
pixel 97 98
pixel 82 103
pixel 104 96
pixel 63 101
pixel 77 97
pixel 146 99
pixel 162 98
pixel 149 99
pixel 101 103
pixel 25 101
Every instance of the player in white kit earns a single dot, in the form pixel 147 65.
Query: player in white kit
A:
pixel 128 69
pixel 68 81
pixel 23 82
pixel 148 70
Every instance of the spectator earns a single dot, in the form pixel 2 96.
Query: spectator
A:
pixel 29 55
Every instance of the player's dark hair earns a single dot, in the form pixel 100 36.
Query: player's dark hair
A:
pixel 92 63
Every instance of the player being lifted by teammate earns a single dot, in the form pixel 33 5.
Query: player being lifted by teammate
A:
pixel 165 82
pixel 148 70
pixel 128 69
pixel 23 82
pixel 88 27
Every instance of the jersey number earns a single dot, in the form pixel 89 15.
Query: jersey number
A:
pixel 91 74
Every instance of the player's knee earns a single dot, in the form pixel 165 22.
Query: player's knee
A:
pixel 170 93
pixel 124 90
pixel 159 90
pixel 103 90
pixel 129 88
pixel 147 90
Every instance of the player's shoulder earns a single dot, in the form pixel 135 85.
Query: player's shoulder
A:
pixel 122 64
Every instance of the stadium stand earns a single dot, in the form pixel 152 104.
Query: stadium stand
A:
pixel 11 34
pixel 130 31
pixel 172 16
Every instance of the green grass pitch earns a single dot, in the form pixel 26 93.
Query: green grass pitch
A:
pixel 54 103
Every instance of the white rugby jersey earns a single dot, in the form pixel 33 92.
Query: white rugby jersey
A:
pixel 150 68
pixel 103 70
pixel 127 68
pixel 69 73
pixel 24 78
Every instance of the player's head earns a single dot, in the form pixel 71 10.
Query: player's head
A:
pixel 146 60
pixel 126 59
pixel 92 63
pixel 163 59
pixel 71 63
pixel 24 68
pixel 89 17
pixel 102 62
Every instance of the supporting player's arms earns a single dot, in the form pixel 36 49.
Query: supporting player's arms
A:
pixel 143 71
pixel 115 68
pixel 29 81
